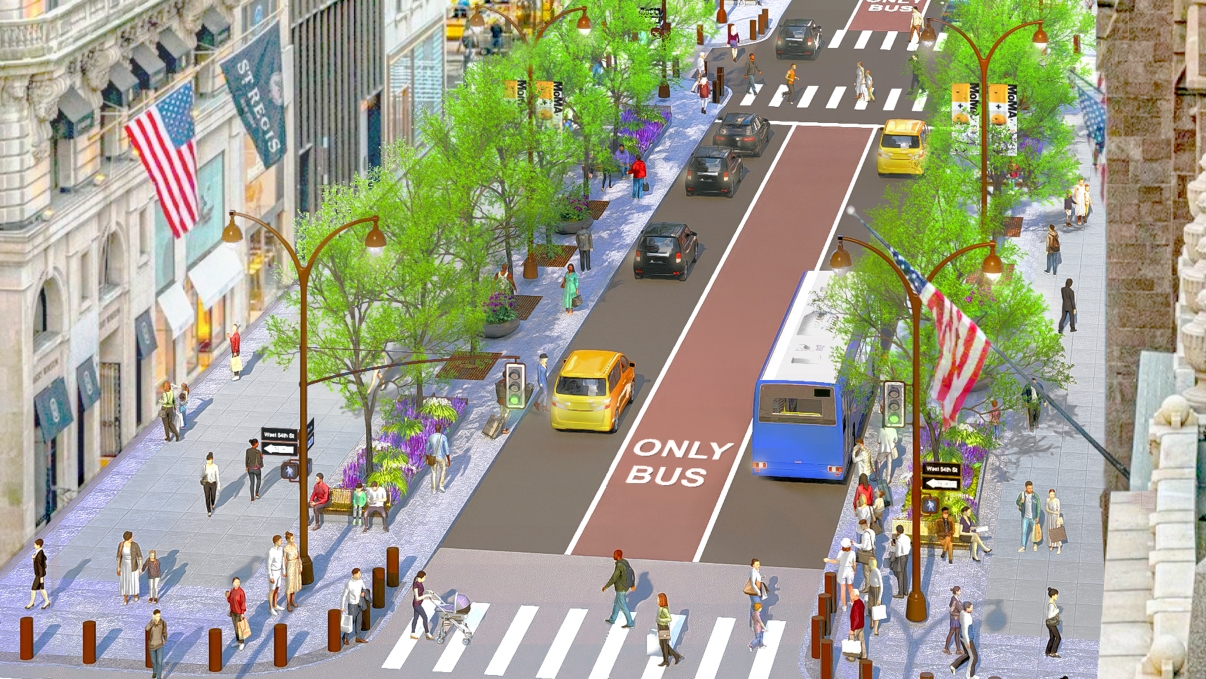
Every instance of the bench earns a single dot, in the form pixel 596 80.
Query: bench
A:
pixel 341 502
pixel 929 533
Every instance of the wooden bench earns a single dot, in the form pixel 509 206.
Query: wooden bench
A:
pixel 341 502
pixel 929 533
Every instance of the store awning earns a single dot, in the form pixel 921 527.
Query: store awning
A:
pixel 177 309
pixel 144 331
pixel 173 50
pixel 53 409
pixel 215 29
pixel 85 379
pixel 148 67
pixel 122 87
pixel 215 275
pixel 75 117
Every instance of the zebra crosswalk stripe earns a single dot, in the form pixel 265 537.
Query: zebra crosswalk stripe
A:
pixel 750 96
pixel 863 39
pixel 405 645
pixel 454 647
pixel 888 40
pixel 836 97
pixel 709 664
pixel 919 103
pixel 809 93
pixel 837 38
pixel 611 650
pixel 561 644
pixel 940 42
pixel 893 96
pixel 766 655
pixel 913 44
pixel 779 96
pixel 511 640
pixel 860 105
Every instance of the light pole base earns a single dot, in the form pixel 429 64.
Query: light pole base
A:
pixel 663 91
pixel 530 270
pixel 722 17
pixel 308 571
pixel 915 608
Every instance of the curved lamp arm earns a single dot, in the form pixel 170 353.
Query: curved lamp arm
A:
pixel 336 232
pixel 886 258
pixel 991 245
pixel 279 238
pixel 557 18
pixel 1007 34
pixel 518 29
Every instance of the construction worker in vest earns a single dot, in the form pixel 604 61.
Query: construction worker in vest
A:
pixel 167 412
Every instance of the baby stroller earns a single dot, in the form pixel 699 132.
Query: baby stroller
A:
pixel 452 613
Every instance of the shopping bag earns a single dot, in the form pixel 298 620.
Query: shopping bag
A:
pixel 244 629
pixel 179 420
pixel 576 301
pixel 644 185
pixel 236 364
pixel 852 647
pixel 652 647
pixel 879 612
pixel 345 623
pixel 1038 533
pixel 1058 534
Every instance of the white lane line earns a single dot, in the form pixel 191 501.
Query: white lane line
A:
pixel 849 190
pixel 913 44
pixel 766 655
pixel 454 646
pixel 778 97
pixel 919 103
pixel 836 96
pixel 615 461
pixel 611 650
pixel 793 123
pixel 836 40
pixel 709 665
pixel 863 39
pixel 888 40
pixel 750 96
pixel 852 15
pixel 728 483
pixel 401 651
pixel 561 644
pixel 809 93
pixel 652 671
pixel 860 105
pixel 511 640
pixel 893 96
pixel 940 42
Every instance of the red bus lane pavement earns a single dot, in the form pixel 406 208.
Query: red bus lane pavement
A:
pixel 670 474
pixel 886 15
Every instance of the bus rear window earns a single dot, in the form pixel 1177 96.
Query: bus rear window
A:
pixel 796 404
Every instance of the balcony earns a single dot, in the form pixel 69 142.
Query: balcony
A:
pixel 66 28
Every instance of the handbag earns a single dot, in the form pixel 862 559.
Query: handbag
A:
pixel 663 633
pixel 879 612
pixel 431 460
pixel 345 623
pixel 750 590
pixel 864 556
pixel 1038 533
pixel 644 185
pixel 576 301
pixel 244 629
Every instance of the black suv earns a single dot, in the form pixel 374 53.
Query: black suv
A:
pixel 745 133
pixel 665 249
pixel 714 169
pixel 798 38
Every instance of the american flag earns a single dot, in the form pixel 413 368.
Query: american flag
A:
pixel 962 345
pixel 163 137
pixel 1095 117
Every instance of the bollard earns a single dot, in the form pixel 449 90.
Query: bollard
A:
pixel 698 34
pixel 722 17
pixel 334 637
pixel 146 647
pixel 818 633
pixel 927 675
pixel 391 566
pixel 89 642
pixel 765 19
pixel 280 644
pixel 832 590
pixel 827 659
pixel 865 669
pixel 366 619
pixel 753 29
pixel 762 24
pixel 378 587
pixel 718 91
pixel 827 601
pixel 27 638
pixel 215 649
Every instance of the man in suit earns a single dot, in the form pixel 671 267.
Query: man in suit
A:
pixel 900 549
pixel 1067 314
pixel 586 243
pixel 946 534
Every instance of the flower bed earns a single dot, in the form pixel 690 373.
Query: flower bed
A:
pixel 968 446
pixel 645 134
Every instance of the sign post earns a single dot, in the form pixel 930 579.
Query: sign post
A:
pixel 941 476
pixel 283 440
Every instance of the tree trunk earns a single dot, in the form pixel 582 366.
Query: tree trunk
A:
pixel 368 436
pixel 418 393
pixel 507 247
pixel 586 165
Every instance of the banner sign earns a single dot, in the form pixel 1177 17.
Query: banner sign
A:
pixel 550 103
pixel 257 86
pixel 1003 113
pixel 517 92
pixel 965 112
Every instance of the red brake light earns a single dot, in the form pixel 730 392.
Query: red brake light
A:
pixel 638 255
pixel 720 137
pixel 747 139
pixel 678 257
pixel 759 465
pixel 726 176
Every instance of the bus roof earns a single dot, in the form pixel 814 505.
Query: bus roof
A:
pixel 803 351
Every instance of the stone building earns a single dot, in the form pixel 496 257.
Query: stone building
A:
pixel 101 301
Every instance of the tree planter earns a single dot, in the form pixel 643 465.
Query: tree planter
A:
pixel 570 228
pixel 497 330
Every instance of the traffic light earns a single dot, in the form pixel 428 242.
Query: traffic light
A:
pixel 894 403
pixel 515 377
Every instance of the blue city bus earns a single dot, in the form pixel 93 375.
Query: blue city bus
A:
pixel 805 421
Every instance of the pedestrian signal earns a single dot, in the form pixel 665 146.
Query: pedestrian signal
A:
pixel 894 402
pixel 515 376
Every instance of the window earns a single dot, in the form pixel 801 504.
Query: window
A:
pixel 144 231
pixel 48 309
pixel 40 317
pixel 613 379
pixel 112 271
pixel 581 386
pixel 796 404
pixel 207 232
pixel 165 251
pixel 85 275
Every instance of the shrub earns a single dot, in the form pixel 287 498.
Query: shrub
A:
pixel 576 209
pixel 500 308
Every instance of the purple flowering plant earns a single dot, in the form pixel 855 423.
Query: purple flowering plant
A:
pixel 500 308
pixel 639 131
pixel 576 209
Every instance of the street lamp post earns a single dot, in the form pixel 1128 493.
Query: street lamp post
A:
pixel 375 243
pixel 840 261
pixel 928 37
pixel 476 24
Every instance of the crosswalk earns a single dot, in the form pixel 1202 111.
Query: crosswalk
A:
pixel 558 648
pixel 837 97
pixel 863 39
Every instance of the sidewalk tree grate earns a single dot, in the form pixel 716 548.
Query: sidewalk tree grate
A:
pixel 476 369
pixel 1013 227
pixel 597 207
pixel 525 305
pixel 561 255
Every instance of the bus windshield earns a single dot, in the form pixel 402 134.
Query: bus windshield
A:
pixel 796 404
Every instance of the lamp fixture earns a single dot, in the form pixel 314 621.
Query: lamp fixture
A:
pixel 992 268
pixel 584 24
pixel 1040 39
pixel 476 22
pixel 928 36
pixel 840 260
pixel 375 240
pixel 232 235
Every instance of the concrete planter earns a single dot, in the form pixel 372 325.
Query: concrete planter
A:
pixel 570 228
pixel 497 330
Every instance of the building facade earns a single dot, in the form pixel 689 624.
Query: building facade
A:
pixel 104 303
pixel 414 57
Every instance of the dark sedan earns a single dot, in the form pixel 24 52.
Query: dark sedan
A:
pixel 798 38
pixel 745 133
pixel 665 249
pixel 714 169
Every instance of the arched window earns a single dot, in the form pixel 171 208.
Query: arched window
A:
pixel 48 313
pixel 112 268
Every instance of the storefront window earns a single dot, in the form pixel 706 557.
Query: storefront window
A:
pixel 429 77
pixel 262 259
pixel 263 189
pixel 401 87
pixel 165 252
pixel 165 354
pixel 207 232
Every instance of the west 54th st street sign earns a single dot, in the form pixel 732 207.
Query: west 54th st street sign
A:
pixel 941 476
pixel 283 440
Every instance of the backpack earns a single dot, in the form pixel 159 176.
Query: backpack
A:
pixel 629 576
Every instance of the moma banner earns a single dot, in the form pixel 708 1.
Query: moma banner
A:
pixel 965 111
pixel 1003 115
pixel 550 103
pixel 517 91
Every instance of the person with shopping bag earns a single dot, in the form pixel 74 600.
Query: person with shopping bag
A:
pixel 875 589
pixel 856 644
pixel 168 412
pixel 237 598
pixel 353 602
pixel 1053 521
pixel 569 286
pixel 1028 505
pixel 236 361
pixel 755 588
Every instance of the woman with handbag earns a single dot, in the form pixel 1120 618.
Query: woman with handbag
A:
pixel 293 572
pixel 875 587
pixel 237 599
pixel 956 609
pixel 236 361
pixel 755 588
pixel 1052 519
pixel 129 566
pixel 1053 256
pixel 569 290
pixel 663 631
pixel 1052 622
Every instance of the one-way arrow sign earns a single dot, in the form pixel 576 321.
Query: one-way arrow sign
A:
pixel 941 484
pixel 280 449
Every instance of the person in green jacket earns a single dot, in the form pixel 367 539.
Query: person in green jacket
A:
pixel 663 631
pixel 623 584
pixel 569 289
pixel 359 500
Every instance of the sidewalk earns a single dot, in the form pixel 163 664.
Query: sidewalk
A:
pixel 152 487
pixel 1008 588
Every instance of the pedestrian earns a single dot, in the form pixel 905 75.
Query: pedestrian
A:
pixel 438 458
pixel 376 497
pixel 969 644
pixel 496 33
pixel 1052 622
pixel 210 483
pixel 994 418
pixel 864 489
pixel 862 511
pixel 915 26
pixel 900 549
pixel 419 595
pixel 704 89
pixel 1069 205
pixel 701 65
pixel 39 579
pixel 320 497
pixel 359 500
pixel 1054 259
pixel 624 581
pixel 129 565
pixel 955 606
pixel 790 78
pixel 734 41
pixel 156 638
pixel 865 545
pixel 845 569
pixel 755 587
pixel 968 527
pixel 237 598
pixel 542 382
pixel 638 171
pixel 875 589
pixel 354 602
pixel 1067 309
pixel 236 361
pixel 253 461
pixel 293 572
pixel 869 85
pixel 569 283
pixel 877 511
pixel 862 461
pixel 182 403
pixel 914 74
pixel 623 159
pixel 756 623
pixel 1079 201
pixel 1088 201
pixel 153 567
pixel 1032 398
pixel 586 243
pixel 1028 505
pixel 860 82
pixel 751 68
pixel 1052 518
pixel 275 566
pixel 946 535
pixel 888 437
pixel 167 412
pixel 663 631
pixel 858 618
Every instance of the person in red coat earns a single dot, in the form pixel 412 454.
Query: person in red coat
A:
pixel 864 490
pixel 237 599
pixel 236 361
pixel 858 614
pixel 638 177
pixel 319 499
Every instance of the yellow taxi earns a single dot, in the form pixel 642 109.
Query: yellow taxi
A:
pixel 902 147
pixel 591 390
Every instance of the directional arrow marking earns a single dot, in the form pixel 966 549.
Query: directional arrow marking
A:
pixel 279 449
pixel 941 484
